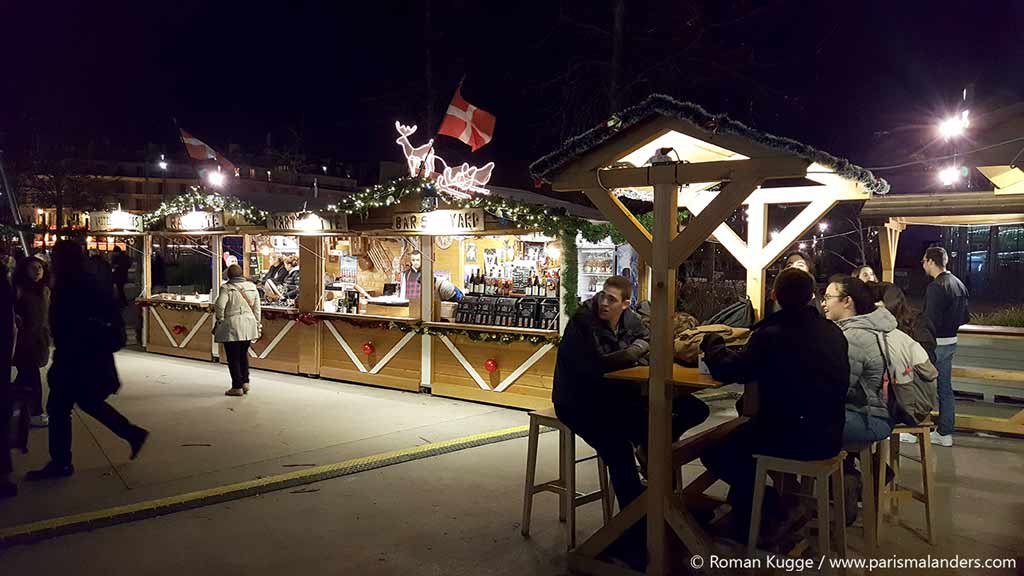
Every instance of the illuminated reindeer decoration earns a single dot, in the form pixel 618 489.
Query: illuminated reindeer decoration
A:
pixel 460 182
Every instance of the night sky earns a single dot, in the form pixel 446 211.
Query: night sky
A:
pixel 867 81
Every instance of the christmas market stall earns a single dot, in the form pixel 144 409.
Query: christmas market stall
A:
pixel 183 269
pixel 711 165
pixel 448 285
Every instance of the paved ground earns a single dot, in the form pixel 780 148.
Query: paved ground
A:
pixel 451 514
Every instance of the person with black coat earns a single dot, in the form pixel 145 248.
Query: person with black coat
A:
pixel 85 325
pixel 32 348
pixel 120 264
pixel 8 489
pixel 801 365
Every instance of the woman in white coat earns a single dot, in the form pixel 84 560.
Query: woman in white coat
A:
pixel 238 324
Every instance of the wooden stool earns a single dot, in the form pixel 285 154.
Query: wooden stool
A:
pixel 821 471
pixel 565 485
pixel 896 492
pixel 872 484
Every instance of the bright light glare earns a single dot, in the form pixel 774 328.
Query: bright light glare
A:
pixel 553 252
pixel 955 126
pixel 949 176
pixel 823 226
pixel 265 250
pixel 216 179
pixel 162 164
pixel 803 245
pixel 775 234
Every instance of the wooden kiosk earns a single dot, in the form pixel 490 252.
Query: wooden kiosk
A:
pixel 424 342
pixel 178 319
pixel 712 151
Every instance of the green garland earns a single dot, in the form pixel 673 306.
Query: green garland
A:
pixel 199 199
pixel 383 195
pixel 570 271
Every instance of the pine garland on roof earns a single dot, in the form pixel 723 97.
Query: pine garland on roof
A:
pixel 660 104
pixel 199 199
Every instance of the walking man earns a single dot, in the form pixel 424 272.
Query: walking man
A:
pixel 945 304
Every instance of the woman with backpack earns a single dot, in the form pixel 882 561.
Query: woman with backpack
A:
pixel 87 329
pixel 237 325
pixel 911 322
pixel 32 348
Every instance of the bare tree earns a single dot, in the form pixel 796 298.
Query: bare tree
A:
pixel 52 181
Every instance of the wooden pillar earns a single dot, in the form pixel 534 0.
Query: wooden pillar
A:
pixel 757 237
pixel 311 287
pixel 217 247
pixel 426 305
pixel 663 298
pixel 147 266
pixel 887 248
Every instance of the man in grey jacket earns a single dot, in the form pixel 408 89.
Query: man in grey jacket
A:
pixel 945 304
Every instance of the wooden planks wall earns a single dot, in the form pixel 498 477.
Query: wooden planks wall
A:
pixel 981 355
pixel 401 372
pixel 285 356
pixel 198 348
pixel 532 390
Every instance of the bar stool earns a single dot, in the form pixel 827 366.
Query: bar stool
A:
pixel 897 491
pixel 873 489
pixel 565 485
pixel 821 471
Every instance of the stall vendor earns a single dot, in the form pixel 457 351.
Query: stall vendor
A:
pixel 291 281
pixel 411 288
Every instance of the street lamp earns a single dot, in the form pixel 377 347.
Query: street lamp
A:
pixel 162 163
pixel 949 175
pixel 215 179
pixel 955 126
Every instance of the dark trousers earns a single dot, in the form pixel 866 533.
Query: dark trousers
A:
pixel 29 382
pixel 238 362
pixel 60 404
pixel 122 298
pixel 6 406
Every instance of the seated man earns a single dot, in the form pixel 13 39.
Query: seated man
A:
pixel 800 362
pixel 603 336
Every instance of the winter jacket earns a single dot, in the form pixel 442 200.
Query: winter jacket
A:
pixel 864 334
pixel 923 332
pixel 82 361
pixel 32 311
pixel 291 284
pixel 237 312
pixel 945 304
pixel 800 362
pixel 590 348
pixel 277 273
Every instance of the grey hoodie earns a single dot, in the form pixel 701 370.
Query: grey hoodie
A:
pixel 864 335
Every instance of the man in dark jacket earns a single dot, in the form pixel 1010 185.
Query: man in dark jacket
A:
pixel 84 322
pixel 800 363
pixel 604 336
pixel 945 304
pixel 120 264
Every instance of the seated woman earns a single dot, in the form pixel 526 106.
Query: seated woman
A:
pixel 851 305
pixel 911 322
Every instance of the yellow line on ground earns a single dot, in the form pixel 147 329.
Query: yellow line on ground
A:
pixel 150 508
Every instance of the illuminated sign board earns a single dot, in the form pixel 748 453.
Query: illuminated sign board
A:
pixel 440 222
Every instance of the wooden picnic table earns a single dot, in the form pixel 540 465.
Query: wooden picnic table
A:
pixel 684 451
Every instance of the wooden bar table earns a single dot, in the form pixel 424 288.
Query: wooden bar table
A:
pixel 684 451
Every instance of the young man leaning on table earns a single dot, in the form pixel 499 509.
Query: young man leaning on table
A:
pixel 800 363
pixel 604 335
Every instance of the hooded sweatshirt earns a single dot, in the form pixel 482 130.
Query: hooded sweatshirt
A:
pixel 864 335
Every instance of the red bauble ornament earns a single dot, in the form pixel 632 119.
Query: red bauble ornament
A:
pixel 491 365
pixel 178 330
pixel 368 348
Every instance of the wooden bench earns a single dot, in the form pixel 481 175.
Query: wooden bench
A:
pixel 1006 379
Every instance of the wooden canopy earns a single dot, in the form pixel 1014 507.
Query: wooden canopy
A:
pixel 707 150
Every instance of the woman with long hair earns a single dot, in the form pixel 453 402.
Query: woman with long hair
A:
pixel 86 327
pixel 32 348
pixel 911 321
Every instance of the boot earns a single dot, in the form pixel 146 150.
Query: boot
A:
pixel 51 470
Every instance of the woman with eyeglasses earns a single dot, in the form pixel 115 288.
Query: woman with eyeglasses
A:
pixel 851 305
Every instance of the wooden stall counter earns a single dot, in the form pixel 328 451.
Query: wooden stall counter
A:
pixel 500 365
pixel 178 328
pixel 279 347
pixel 366 349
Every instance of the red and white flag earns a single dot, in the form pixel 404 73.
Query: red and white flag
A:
pixel 468 123
pixel 199 150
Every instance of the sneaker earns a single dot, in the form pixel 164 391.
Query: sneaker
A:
pixel 235 392
pixel 51 470
pixel 942 439
pixel 245 388
pixel 908 438
pixel 40 421
pixel 138 443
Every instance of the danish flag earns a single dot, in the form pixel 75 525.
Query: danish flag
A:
pixel 199 150
pixel 466 122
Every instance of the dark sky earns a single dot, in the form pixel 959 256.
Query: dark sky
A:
pixel 860 79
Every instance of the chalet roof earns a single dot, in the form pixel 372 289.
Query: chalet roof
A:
pixel 661 105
